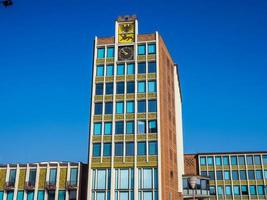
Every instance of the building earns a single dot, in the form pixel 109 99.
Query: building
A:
pixel 135 144
pixel 43 181
pixel 233 175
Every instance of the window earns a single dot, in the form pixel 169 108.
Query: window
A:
pixel 61 194
pixel 235 175
pixel 257 160
pixel 252 189
pixel 228 190
pixel 260 190
pixel 120 88
pixel 241 160
pixel 99 89
pixel 141 148
pixel 129 148
pixel 109 88
pixel 259 175
pixel 101 176
pixel 153 148
pixel 108 108
pixel 151 67
pixel 107 149
pixel 119 127
pixel 96 149
pixel 152 86
pixel 100 70
pixel 236 190
pixel 141 68
pixel 72 195
pixel 151 48
pixel 20 195
pixel 130 87
pixel 73 176
pixel 264 158
pixel 130 127
pixel 98 128
pixel 220 190
pixel 218 160
pixel 141 87
pixel 98 109
pixel 225 160
pixel 210 161
pixel 148 178
pixel 265 174
pixel 108 128
pixel 124 180
pixel 110 70
pixel 243 175
pixel 101 53
pixel 219 175
pixel 30 195
pixel 101 179
pixel 227 175
pixel 1 195
pixel 212 190
pixel 130 106
pixel 204 173
pixel 53 176
pixel 202 161
pixel 141 126
pixel 12 176
pixel 211 175
pixel 119 149
pixel 152 106
pixel 110 53
pixel 233 160
pixel 244 190
pixel 249 160
pixel 120 107
pixel 251 175
pixel 142 49
pixel 141 106
pixel 40 195
pixel 152 126
pixel 130 68
pixel 120 69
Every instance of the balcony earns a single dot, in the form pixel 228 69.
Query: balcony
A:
pixel 71 185
pixel 51 186
pixel 9 186
pixel 29 186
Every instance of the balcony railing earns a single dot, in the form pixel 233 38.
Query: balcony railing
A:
pixel 71 185
pixel 50 186
pixel 10 186
pixel 29 186
pixel 198 193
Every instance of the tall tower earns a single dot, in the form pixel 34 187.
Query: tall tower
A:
pixel 135 140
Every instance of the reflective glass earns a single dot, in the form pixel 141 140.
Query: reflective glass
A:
pixel 152 86
pixel 233 160
pixel 141 106
pixel 219 175
pixel 148 196
pixel 130 87
pixel 53 176
pixel 202 161
pixel 251 175
pixel 119 127
pixel 220 190
pixel 110 53
pixel 73 176
pixel 264 158
pixel 243 175
pixel 152 126
pixel 130 127
pixel 110 70
pixel 100 70
pixel 61 194
pixel 141 148
pixel 226 160
pixel 99 89
pixel 257 160
pixel 244 190
pixel 260 190
pixel 101 53
pixel 141 125
pixel 119 107
pixel 241 160
pixel 119 149
pixel 151 67
pixel 30 195
pixel 108 108
pixel 151 48
pixel 249 160
pixel 218 160
pixel 259 175
pixel 252 189
pixel 107 149
pixel 108 128
pixel 109 88
pixel 98 108
pixel 96 149
pixel 129 148
pixel 153 148
pixel 20 195
pixel 228 190
pixel 141 49
pixel 152 106
pixel 235 175
pixel 141 87
pixel 97 128
pixel 141 68
pixel 120 88
pixel 120 69
pixel 148 178
pixel 210 160
pixel 40 195
pixel 236 190
pixel 130 68
pixel 101 179
pixel 227 175
pixel 130 107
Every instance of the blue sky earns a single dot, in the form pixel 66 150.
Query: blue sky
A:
pixel 46 60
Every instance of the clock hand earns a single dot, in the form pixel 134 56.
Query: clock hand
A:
pixel 124 52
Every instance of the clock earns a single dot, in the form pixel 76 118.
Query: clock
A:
pixel 126 53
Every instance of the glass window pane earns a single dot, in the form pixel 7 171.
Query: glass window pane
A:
pixel 147 195
pixel 153 148
pixel 244 190
pixel 148 178
pixel 108 128
pixel 235 175
pixel 110 53
pixel 141 68
pixel 250 160
pixel 252 189
pixel 96 149
pixel 98 109
pixel 233 160
pixel 119 127
pixel 30 195
pixel 151 48
pixel 226 160
pixel 227 175
pixel 53 176
pixel 219 175
pixel 20 195
pixel 130 107
pixel 99 89
pixel 110 70
pixel 211 175
pixel 1 195
pixel 101 53
pixel 40 195
pixel 152 106
pixel 260 190
pixel 124 179
pixel 141 148
pixel 259 175
pixel 109 88
pixel 228 190
pixel 101 179
pixel 257 160
pixel 142 49
pixel 119 149
pixel 265 174
pixel 141 106
pixel 107 149
pixel 130 68
pixel 243 175
pixel 264 158
pixel 251 175
pixel 100 196
pixel 120 88
pixel 212 190
pixel 120 69
pixel 100 70
pixel 72 195
pixel 236 190
pixel 108 108
pixel 130 127
pixel 10 195
pixel 124 196
pixel 97 128
pixel 129 148
pixel 130 87
pixel 73 176
pixel 220 190
pixel 141 125
pixel 141 87
pixel 119 107
pixel 241 160
pixel 218 160
pixel 61 195
pixel 152 126
pixel 202 161
pixel 151 67
pixel 210 160
pixel 152 86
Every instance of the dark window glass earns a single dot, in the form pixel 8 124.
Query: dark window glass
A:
pixel 219 175
pixel 241 160
pixel 130 87
pixel 141 126
pixel 264 158
pixel 260 189
pixel 107 149
pixel 96 149
pixel 109 88
pixel 108 108
pixel 120 88
pixel 152 106
pixel 252 189
pixel 204 173
pixel 51 195
pixel 98 109
pixel 233 160
pixel 257 160
pixel 259 175
pixel 235 175
pixel 129 148
pixel 72 195
pixel 243 175
pixel 152 126
pixel 211 175
pixel 119 127
pixel 141 150
pixel 12 176
pixel 141 68
pixel 212 190
pixel 141 106
pixel 99 89
pixel 244 189
pixel 119 149
pixel 226 160
pixel 32 177
pixel 151 67
pixel 250 160
pixel 251 175
pixel 153 148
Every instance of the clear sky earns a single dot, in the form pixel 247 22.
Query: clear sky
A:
pixel 46 60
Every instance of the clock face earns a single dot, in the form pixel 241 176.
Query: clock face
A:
pixel 126 53
pixel 126 32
